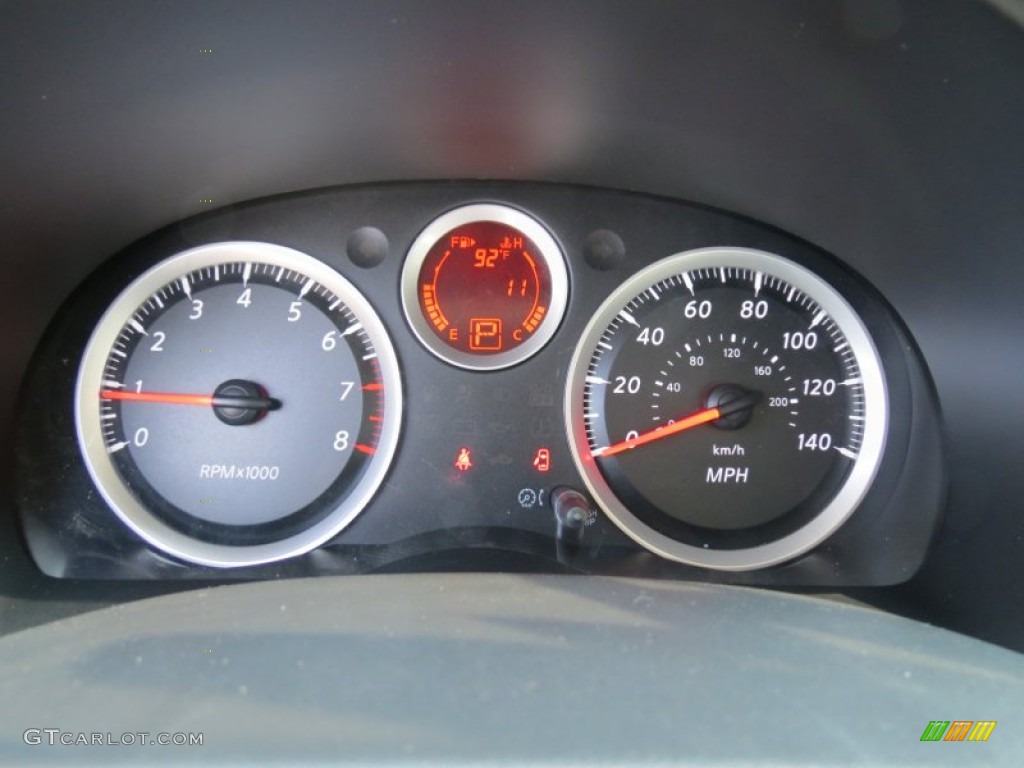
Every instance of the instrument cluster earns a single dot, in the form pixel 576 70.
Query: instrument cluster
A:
pixel 478 376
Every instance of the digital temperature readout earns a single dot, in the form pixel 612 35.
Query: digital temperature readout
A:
pixel 484 286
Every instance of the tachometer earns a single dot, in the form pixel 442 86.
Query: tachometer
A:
pixel 239 403
pixel 727 408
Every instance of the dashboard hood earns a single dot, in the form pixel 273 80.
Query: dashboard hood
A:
pixel 511 669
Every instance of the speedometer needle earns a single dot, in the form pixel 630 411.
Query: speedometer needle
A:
pixel 217 401
pixel 747 400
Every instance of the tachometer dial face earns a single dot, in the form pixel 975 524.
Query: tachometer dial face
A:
pixel 239 403
pixel 727 408
pixel 484 286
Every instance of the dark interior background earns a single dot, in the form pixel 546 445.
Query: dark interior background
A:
pixel 887 132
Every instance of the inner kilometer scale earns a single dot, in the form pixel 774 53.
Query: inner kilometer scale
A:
pixel 239 403
pixel 727 408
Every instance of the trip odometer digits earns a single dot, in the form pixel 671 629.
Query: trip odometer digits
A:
pixel 727 408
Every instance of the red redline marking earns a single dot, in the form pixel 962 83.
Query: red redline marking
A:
pixel 376 387
pixel 365 449
pixel 376 418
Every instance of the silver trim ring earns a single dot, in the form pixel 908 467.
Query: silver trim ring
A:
pixel 876 411
pixel 550 252
pixel 106 477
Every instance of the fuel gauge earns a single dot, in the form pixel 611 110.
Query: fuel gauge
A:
pixel 484 286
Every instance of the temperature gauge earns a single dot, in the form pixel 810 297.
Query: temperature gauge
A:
pixel 484 286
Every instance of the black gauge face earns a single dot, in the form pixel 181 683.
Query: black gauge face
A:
pixel 727 408
pixel 238 404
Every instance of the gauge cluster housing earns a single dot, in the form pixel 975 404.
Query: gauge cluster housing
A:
pixel 494 510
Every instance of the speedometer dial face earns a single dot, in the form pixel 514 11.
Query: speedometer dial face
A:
pixel 727 408
pixel 239 403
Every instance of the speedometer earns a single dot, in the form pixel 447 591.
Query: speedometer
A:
pixel 727 408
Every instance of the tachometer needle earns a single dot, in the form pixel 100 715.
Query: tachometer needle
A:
pixel 216 401
pixel 747 400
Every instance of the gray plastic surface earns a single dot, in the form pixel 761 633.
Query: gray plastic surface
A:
pixel 512 669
